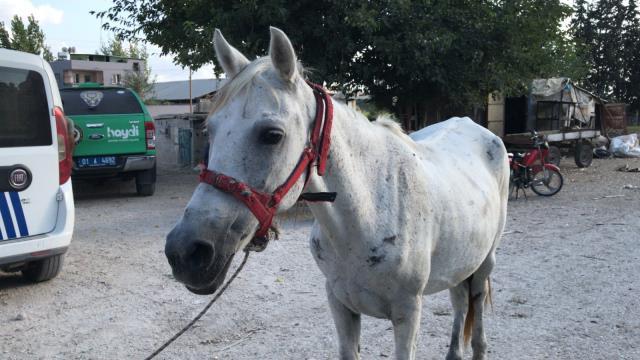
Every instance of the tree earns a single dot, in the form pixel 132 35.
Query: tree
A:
pixel 5 39
pixel 114 47
pixel 449 54
pixel 632 55
pixel 28 39
pixel 607 33
pixel 139 80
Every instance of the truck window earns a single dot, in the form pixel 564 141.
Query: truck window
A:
pixel 99 102
pixel 24 110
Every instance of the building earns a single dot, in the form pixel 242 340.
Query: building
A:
pixel 174 97
pixel 71 69
pixel 177 92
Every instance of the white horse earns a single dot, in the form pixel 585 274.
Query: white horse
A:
pixel 413 215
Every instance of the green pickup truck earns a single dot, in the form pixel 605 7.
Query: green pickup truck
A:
pixel 114 135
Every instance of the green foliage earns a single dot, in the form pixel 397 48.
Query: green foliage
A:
pixel 451 54
pixel 113 47
pixel 29 38
pixel 139 81
pixel 607 34
pixel 5 40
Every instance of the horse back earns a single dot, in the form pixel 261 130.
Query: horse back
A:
pixel 467 170
pixel 463 142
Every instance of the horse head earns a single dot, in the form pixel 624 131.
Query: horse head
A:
pixel 257 130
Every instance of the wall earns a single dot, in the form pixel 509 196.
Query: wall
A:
pixel 59 67
pixel 180 141
pixel 495 115
pixel 157 110
pixel 108 68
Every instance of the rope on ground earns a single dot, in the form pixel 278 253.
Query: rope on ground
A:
pixel 190 324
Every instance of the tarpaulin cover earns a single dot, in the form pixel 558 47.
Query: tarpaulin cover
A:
pixel 562 89
pixel 625 146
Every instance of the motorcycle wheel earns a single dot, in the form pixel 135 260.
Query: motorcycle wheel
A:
pixel 546 182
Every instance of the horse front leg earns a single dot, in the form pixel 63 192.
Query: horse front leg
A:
pixel 347 325
pixel 405 317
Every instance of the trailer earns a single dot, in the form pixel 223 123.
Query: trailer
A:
pixel 567 115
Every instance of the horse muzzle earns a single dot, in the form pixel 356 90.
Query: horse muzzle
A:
pixel 195 263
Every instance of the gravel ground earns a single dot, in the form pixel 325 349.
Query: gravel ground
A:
pixel 565 285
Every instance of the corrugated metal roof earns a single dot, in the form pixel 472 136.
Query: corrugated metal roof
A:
pixel 179 90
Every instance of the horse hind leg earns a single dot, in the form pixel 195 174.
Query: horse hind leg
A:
pixel 459 296
pixel 479 295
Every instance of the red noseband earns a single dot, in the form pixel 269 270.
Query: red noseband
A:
pixel 264 205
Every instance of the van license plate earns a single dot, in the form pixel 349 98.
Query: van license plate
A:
pixel 96 161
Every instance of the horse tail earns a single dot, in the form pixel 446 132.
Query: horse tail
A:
pixel 471 311
pixel 489 299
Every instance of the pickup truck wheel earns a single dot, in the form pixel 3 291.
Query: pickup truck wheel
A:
pixel 146 182
pixel 45 269
pixel 145 189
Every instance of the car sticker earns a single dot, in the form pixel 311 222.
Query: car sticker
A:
pixel 17 210
pixel 7 219
pixel 9 214
pixel 92 97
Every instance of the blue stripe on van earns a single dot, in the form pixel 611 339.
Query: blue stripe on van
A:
pixel 17 209
pixel 1 238
pixel 6 217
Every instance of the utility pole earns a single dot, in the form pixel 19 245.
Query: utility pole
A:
pixel 190 96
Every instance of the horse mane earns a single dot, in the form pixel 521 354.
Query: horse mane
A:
pixel 243 80
pixel 387 121
pixel 251 74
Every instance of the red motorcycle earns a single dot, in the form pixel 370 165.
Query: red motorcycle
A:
pixel 532 170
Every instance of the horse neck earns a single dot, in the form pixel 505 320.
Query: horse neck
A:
pixel 362 159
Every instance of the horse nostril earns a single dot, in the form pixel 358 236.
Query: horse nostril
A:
pixel 200 254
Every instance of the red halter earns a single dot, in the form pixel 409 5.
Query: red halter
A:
pixel 264 205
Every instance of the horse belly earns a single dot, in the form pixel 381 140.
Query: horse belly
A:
pixel 468 174
pixel 467 236
pixel 468 229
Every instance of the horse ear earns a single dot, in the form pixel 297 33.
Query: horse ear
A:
pixel 231 60
pixel 282 54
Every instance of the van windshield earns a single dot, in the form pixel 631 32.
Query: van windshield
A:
pixel 24 110
pixel 99 102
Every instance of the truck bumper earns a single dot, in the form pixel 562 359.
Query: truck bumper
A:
pixel 127 163
pixel 136 163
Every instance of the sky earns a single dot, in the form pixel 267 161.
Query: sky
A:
pixel 68 23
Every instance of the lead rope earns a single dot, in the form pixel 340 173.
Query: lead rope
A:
pixel 190 324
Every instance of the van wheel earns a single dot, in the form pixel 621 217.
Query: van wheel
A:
pixel 146 182
pixel 45 269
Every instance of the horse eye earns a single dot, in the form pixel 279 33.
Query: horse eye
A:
pixel 271 136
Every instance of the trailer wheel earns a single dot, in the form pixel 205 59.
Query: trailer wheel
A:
pixel 583 153
pixel 554 156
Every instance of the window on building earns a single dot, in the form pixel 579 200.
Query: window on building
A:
pixel 87 77
pixel 116 79
pixel 76 78
pixel 136 66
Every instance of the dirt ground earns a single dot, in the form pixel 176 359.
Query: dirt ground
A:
pixel 566 285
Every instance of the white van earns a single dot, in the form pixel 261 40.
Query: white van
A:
pixel 36 199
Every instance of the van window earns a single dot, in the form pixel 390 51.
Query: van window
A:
pixel 24 110
pixel 99 102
